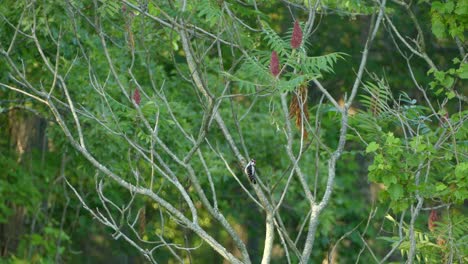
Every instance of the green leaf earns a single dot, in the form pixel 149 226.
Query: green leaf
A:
pixel 389 217
pixel 461 170
pixel 439 75
pixel 460 195
pixel 448 7
pixel 450 95
pixel 392 140
pixel 440 186
pixel 431 70
pixel 417 145
pixel 463 71
pixel 395 191
pixel 210 11
pixel 438 27
pixel 372 147
pixel 462 8
pixel 389 179
pixel 448 81
pixel 437 5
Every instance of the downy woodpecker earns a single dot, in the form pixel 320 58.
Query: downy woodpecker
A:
pixel 250 170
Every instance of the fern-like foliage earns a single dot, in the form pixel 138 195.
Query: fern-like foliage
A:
pixel 109 8
pixel 377 97
pixel 376 115
pixel 382 110
pixel 290 84
pixel 210 11
pixel 447 242
pixel 318 64
pixel 298 68
pixel 253 73
pixel 451 235
pixel 275 42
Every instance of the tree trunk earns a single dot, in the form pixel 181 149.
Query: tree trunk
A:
pixel 26 133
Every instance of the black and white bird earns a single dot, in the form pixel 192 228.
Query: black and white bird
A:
pixel 250 170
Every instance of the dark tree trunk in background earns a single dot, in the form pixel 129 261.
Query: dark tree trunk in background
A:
pixel 26 134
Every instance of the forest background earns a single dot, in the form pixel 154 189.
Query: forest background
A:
pixel 125 128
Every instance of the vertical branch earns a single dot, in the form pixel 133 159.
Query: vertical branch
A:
pixel 290 153
pixel 54 71
pixel 205 91
pixel 311 19
pixel 317 208
pixel 269 237
pixel 365 54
